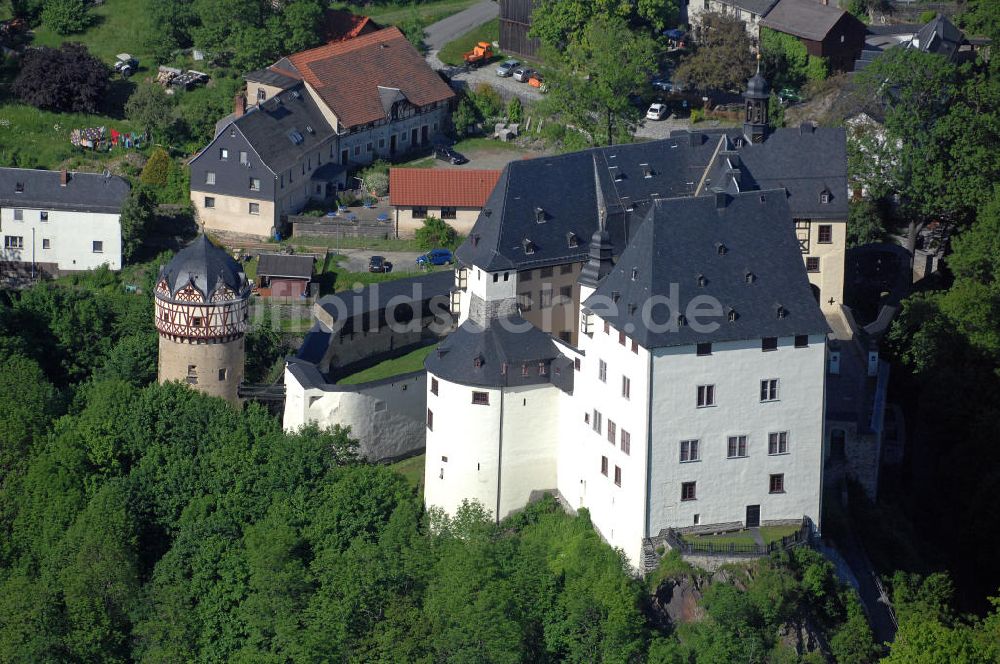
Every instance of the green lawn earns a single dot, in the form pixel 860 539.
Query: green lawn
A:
pixel 768 534
pixel 452 52
pixel 402 11
pixel 412 469
pixel 120 26
pixel 31 138
pixel 413 361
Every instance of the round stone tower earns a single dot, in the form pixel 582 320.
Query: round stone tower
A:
pixel 201 315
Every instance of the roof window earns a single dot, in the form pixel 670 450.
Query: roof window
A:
pixel 540 215
pixel 721 248
pixel 702 281
pixel 635 273
pixel 647 171
pixel 750 277
pixel 529 246
pixel 682 320
pixel 572 240
pixel 310 130
pixel 732 315
pixel 19 188
pixel 781 311
pixel 824 196
pixel 295 136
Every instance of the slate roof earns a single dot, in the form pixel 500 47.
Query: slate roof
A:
pixel 268 127
pixel 452 187
pixel 706 246
pixel 806 163
pixel 271 77
pixel 283 265
pixel 476 355
pixel 347 75
pixel 205 266
pixel 939 36
pixel 84 192
pixel 374 298
pixel 807 19
pixel 758 7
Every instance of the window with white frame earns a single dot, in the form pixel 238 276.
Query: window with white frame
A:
pixel 706 396
pixel 777 442
pixel 98 247
pixel 626 442
pixel 254 208
pixel 690 451
pixel 626 387
pixel 737 447
pixel 604 466
pixel 769 389
pixel 244 159
pixel 18 214
pixel 612 432
pixel 689 491
pixel 777 483
pixel 254 184
pixel 602 371
pixel 596 421
pixel 13 242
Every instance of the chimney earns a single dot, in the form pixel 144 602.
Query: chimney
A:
pixel 239 105
pixel 63 177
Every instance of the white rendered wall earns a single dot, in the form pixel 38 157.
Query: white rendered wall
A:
pixel 70 234
pixel 492 285
pixel 386 417
pixel 618 512
pixel 464 451
pixel 725 487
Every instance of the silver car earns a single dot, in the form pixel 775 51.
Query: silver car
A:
pixel 507 68
pixel 522 74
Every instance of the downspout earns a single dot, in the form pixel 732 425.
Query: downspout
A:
pixel 500 455
pixel 32 252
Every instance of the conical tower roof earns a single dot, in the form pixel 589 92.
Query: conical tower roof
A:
pixel 206 267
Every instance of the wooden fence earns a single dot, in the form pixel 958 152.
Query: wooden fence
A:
pixel 334 227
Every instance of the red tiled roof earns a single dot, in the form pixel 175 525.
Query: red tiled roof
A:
pixel 339 25
pixel 347 75
pixel 431 187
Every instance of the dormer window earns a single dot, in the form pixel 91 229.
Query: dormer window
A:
pixel 682 320
pixel 781 311
pixel 19 188
pixel 615 296
pixel 477 362
pixel 635 274
pixel 824 196
pixel 503 368
pixel 631 309
pixel 702 281
pixel 647 170
pixel 539 215
pixel 572 241
pixel 721 248
pixel 750 277
pixel 732 315
pixel 474 238
pixel 529 246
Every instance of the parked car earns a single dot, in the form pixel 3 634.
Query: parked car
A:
pixel 657 111
pixel 445 153
pixel 507 68
pixel 436 257
pixel 379 264
pixel 662 83
pixel 787 95
pixel 522 74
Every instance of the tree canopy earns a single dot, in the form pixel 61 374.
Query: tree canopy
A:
pixel 722 58
pixel 67 79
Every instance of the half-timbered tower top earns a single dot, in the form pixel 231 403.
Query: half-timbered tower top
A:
pixel 202 272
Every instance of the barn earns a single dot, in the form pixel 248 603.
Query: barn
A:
pixel 280 275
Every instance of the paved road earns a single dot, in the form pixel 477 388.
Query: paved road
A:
pixel 438 34
pixel 357 259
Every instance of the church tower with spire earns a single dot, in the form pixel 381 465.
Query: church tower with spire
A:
pixel 755 121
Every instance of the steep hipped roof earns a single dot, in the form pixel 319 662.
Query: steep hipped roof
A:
pixel 806 162
pixel 282 265
pixel 505 352
pixel 807 19
pixel 206 267
pixel 284 127
pixel 737 251
pixel 84 192
pixel 432 187
pixel 939 36
pixel 347 75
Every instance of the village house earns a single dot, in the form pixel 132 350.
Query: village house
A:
pixel 451 194
pixel 283 275
pixel 307 122
pixel 748 11
pixel 60 221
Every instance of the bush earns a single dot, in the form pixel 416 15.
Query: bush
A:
pixel 465 118
pixel 926 17
pixel 66 17
pixel 697 115
pixel 487 101
pixel 515 112
pixel 376 178
pixel 151 109
pixel 157 169
pixel 436 233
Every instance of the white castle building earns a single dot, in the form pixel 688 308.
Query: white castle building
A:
pixel 642 330
pixel 671 371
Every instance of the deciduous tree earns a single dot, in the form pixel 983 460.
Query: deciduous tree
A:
pixel 67 79
pixel 722 59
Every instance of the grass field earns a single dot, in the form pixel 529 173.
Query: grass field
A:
pixel 400 12
pixel 413 361
pixel 768 534
pixel 31 138
pixel 412 469
pixel 451 53
pixel 120 26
